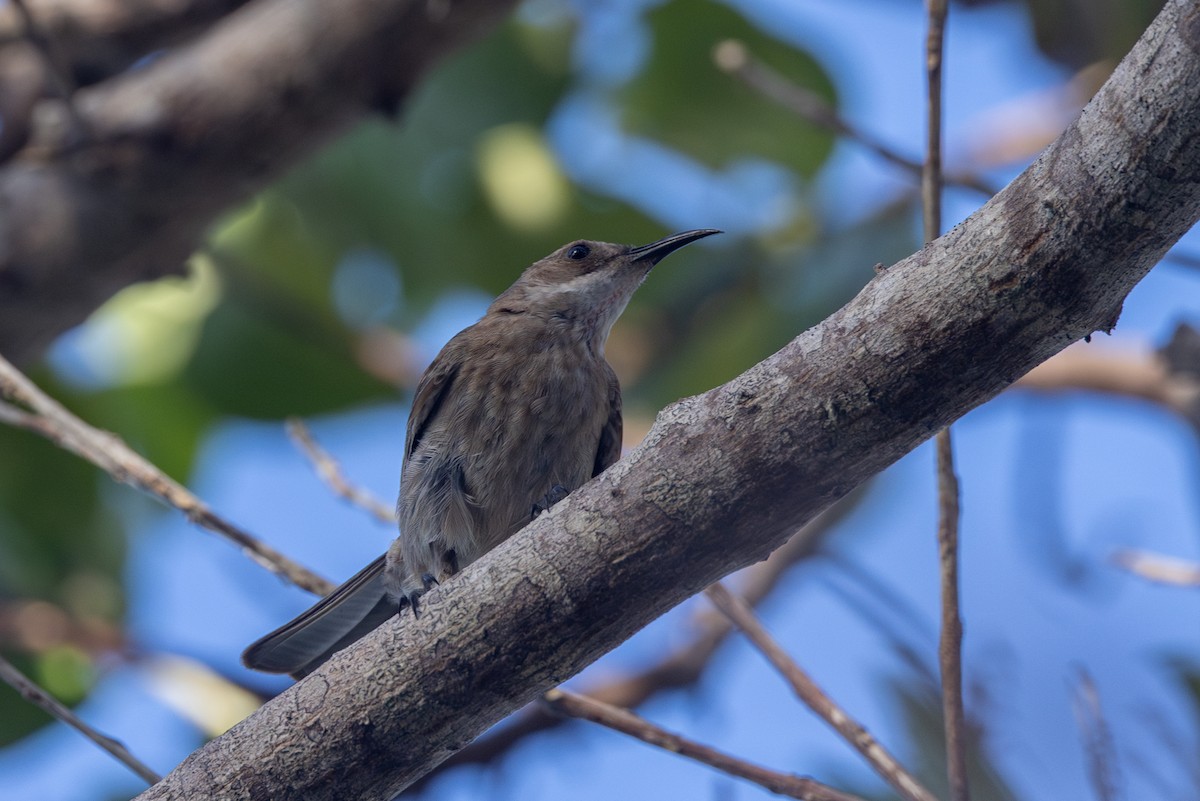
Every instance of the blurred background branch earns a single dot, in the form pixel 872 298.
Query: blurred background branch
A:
pixel 51 420
pixel 192 131
pixel 790 786
pixel 46 702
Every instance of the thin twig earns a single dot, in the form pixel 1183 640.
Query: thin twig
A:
pixel 59 74
pixel 732 56
pixel 1142 374
pixel 1155 567
pixel 108 452
pixel 626 722
pixel 931 173
pixel 950 645
pixel 1097 738
pixel 40 698
pixel 886 765
pixel 331 473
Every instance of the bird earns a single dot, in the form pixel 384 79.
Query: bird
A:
pixel 514 413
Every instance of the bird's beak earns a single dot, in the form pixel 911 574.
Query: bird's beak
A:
pixel 657 251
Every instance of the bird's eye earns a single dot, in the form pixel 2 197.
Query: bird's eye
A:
pixel 578 252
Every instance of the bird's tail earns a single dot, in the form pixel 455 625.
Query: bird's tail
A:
pixel 345 615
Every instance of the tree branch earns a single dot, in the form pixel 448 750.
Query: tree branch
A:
pixel 191 134
pixel 1139 374
pixel 110 453
pixel 950 641
pixel 1099 748
pixel 35 695
pixel 624 721
pixel 733 57
pixel 725 477
pixel 815 698
pixel 98 38
pixel 330 472
pixel 1159 568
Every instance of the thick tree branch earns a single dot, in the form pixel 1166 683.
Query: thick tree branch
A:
pixel 725 477
pixel 98 38
pixel 173 144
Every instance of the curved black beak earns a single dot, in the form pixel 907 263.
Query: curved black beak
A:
pixel 657 251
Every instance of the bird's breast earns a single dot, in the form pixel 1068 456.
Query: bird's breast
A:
pixel 521 418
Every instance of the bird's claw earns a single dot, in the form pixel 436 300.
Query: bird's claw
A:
pixel 556 494
pixel 413 598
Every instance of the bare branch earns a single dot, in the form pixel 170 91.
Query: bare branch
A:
pixel 624 721
pixel 1138 374
pixel 1097 738
pixel 331 473
pixel 95 39
pixel 732 56
pixel 950 643
pixel 878 757
pixel 60 77
pixel 42 699
pixel 1156 567
pixel 1131 373
pixel 108 452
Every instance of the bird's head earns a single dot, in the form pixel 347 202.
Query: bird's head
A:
pixel 587 284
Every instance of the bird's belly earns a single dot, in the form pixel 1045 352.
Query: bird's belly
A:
pixel 487 467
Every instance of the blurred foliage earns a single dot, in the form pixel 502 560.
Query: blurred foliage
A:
pixel 20 717
pixel 673 98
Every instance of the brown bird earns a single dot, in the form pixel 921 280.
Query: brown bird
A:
pixel 514 413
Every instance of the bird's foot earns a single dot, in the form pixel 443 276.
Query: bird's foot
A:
pixel 412 598
pixel 556 494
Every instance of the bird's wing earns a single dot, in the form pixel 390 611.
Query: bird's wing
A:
pixel 342 617
pixel 609 449
pixel 431 391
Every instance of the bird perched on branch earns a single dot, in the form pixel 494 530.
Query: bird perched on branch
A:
pixel 514 413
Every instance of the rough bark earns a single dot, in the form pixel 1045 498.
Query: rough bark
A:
pixel 724 477
pixel 167 147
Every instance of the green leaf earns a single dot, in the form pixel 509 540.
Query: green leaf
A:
pixel 271 365
pixel 684 101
